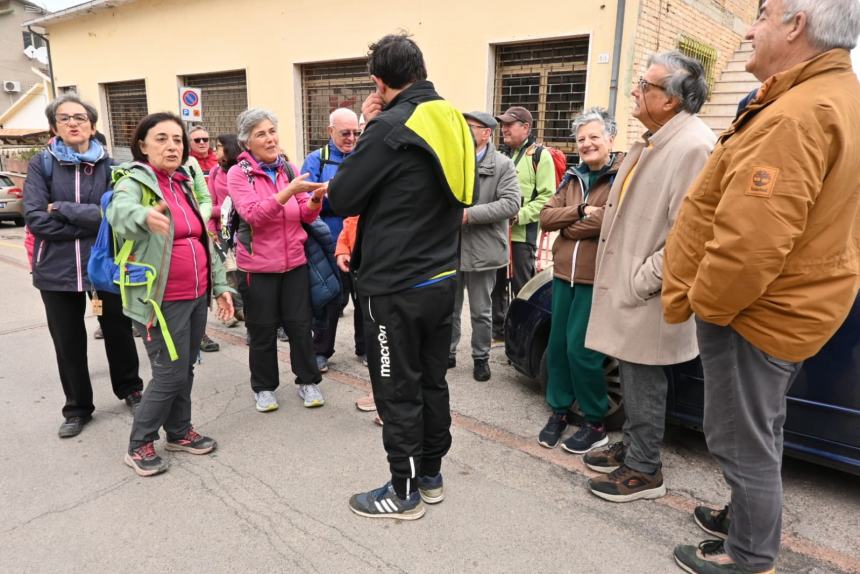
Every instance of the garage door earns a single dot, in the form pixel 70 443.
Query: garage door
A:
pixel 224 95
pixel 126 106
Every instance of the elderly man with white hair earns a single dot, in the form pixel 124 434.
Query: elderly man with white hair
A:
pixel 765 254
pixel 321 165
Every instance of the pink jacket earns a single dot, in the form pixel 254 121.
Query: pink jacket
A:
pixel 218 191
pixel 277 240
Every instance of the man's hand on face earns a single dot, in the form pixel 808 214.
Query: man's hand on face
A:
pixel 372 106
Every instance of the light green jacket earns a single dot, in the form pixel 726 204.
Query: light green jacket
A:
pixel 535 191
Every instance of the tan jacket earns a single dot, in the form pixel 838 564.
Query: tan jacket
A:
pixel 768 240
pixel 626 316
pixel 574 252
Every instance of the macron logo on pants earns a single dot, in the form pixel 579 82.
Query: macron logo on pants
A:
pixel 384 355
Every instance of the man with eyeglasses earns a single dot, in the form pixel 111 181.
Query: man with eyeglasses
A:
pixel 484 242
pixel 626 320
pixel 321 166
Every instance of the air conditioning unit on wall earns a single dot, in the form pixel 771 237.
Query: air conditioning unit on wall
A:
pixel 11 86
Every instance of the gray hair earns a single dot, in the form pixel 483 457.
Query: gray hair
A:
pixel 596 114
pixel 686 82
pixel 830 23
pixel 248 120
pixel 197 128
pixel 73 98
pixel 341 112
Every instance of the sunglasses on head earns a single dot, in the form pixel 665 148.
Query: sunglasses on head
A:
pixel 200 140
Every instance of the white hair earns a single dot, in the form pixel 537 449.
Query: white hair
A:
pixel 830 23
pixel 341 113
pixel 686 81
pixel 248 120
pixel 596 114
pixel 197 128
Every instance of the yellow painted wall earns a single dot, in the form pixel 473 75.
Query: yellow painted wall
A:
pixel 151 39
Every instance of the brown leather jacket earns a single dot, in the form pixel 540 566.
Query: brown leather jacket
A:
pixel 768 239
pixel 574 251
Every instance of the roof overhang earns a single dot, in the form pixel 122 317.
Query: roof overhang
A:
pixel 79 11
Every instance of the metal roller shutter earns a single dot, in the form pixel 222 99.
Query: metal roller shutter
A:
pixel 126 106
pixel 225 96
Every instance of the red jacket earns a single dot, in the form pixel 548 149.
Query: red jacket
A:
pixel 207 162
pixel 276 243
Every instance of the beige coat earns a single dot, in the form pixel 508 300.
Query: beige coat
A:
pixel 626 315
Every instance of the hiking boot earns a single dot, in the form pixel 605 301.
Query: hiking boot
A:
pixel 266 401
pixel 452 362
pixel 587 437
pixel 552 431
pixel 431 489
pixel 626 485
pixel 133 400
pixel 72 426
pixel 144 460
pixel 710 558
pixel 192 442
pixel 282 335
pixel 207 345
pixel 322 364
pixel 384 503
pixel 606 459
pixel 713 521
pixel 481 372
pixel 311 395
pixel 98 334
pixel 366 403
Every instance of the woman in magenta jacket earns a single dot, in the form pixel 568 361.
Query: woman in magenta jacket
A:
pixel 273 202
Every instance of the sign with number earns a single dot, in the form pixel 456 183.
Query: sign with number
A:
pixel 190 104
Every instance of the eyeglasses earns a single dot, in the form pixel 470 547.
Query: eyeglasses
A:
pixel 347 133
pixel 200 140
pixel 645 84
pixel 79 118
pixel 478 127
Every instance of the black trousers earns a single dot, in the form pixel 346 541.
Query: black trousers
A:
pixel 523 266
pixel 408 334
pixel 272 300
pixel 65 313
pixel 325 328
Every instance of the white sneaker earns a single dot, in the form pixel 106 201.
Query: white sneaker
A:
pixel 311 395
pixel 266 401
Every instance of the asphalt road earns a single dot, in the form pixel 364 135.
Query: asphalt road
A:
pixel 273 498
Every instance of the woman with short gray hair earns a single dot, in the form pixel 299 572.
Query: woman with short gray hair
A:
pixel 576 212
pixel 273 203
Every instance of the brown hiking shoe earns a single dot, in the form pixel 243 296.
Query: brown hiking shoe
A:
pixel 607 459
pixel 625 484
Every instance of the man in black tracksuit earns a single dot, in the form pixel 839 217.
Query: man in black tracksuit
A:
pixel 409 178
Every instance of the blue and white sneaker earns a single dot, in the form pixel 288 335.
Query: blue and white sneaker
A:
pixel 384 503
pixel 431 489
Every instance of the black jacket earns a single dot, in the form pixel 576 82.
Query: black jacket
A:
pixel 64 237
pixel 409 178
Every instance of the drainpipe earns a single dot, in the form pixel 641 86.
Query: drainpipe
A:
pixel 616 56
pixel 50 61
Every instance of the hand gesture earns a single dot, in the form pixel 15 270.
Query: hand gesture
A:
pixel 225 305
pixel 372 106
pixel 315 202
pixel 298 185
pixel 156 221
pixel 343 262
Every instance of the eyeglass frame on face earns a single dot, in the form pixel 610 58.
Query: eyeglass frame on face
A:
pixel 200 140
pixel 347 133
pixel 644 84
pixel 64 119
pixel 479 126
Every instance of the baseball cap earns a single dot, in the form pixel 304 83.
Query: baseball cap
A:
pixel 516 114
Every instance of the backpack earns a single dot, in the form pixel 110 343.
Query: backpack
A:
pixel 559 162
pixel 325 154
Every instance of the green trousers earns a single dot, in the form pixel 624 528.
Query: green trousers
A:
pixel 575 373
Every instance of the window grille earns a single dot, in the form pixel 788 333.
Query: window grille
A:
pixel 224 96
pixel 326 87
pixel 705 54
pixel 126 106
pixel 548 79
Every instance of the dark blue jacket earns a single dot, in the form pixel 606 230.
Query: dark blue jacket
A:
pixel 312 166
pixel 323 273
pixel 65 236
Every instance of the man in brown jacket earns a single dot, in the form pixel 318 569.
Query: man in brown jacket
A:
pixel 766 254
pixel 626 316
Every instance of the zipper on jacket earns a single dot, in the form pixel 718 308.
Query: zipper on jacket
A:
pixel 78 241
pixel 576 246
pixel 188 239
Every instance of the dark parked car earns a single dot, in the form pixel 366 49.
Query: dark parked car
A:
pixel 823 422
pixel 11 201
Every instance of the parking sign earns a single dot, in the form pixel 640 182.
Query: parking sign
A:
pixel 190 104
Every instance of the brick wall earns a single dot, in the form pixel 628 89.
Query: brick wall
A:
pixel 718 23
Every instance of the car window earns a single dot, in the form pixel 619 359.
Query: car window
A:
pixel 5 181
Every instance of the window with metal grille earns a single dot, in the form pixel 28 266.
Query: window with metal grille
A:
pixel 126 106
pixel 224 96
pixel 326 87
pixel 705 54
pixel 548 79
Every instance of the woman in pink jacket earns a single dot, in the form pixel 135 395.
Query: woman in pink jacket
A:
pixel 273 202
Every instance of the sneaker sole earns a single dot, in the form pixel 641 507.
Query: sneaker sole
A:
pixel 191 450
pixel 430 499
pixel 602 442
pixel 413 514
pixel 720 535
pixel 314 404
pixel 649 494
pixel 602 469
pixel 142 472
pixel 267 409
pixel 547 445
pixel 683 566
